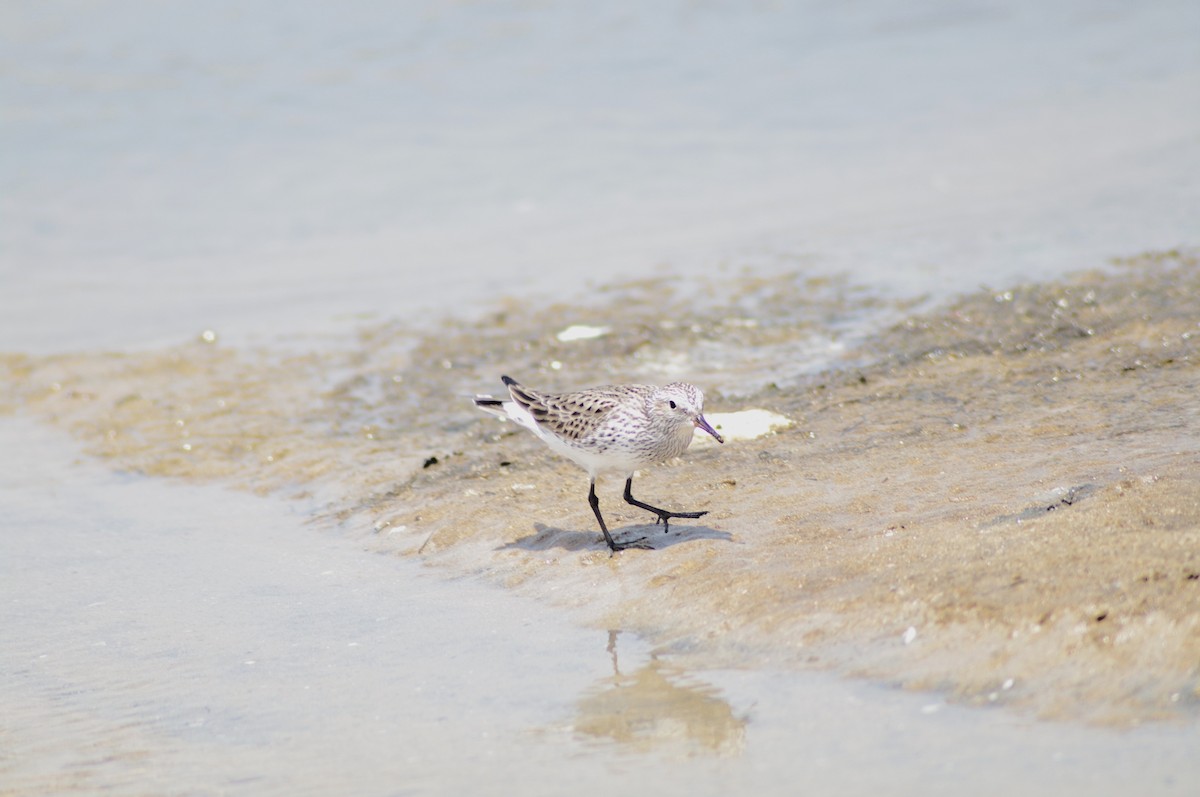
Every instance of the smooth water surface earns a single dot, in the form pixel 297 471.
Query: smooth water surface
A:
pixel 288 170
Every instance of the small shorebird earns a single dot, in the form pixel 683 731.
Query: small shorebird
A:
pixel 612 428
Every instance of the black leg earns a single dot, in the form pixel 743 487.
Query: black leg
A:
pixel 613 545
pixel 664 515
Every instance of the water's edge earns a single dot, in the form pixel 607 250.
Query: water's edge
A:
pixel 994 500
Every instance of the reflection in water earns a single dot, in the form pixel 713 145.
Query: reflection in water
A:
pixel 657 709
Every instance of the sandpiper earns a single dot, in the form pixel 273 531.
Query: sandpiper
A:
pixel 611 428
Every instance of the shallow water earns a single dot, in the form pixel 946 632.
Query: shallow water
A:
pixel 283 174
pixel 194 640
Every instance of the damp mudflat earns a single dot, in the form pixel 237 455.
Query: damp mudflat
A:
pixel 972 555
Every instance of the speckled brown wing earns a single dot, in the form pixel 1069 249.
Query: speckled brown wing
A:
pixel 570 416
pixel 574 416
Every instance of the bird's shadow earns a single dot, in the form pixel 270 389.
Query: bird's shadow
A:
pixel 546 537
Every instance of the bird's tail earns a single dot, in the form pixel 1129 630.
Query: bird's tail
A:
pixel 492 405
pixel 511 408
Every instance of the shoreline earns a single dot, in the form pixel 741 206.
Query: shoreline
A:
pixel 1002 508
pixel 180 633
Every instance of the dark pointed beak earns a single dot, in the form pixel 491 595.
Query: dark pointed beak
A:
pixel 703 424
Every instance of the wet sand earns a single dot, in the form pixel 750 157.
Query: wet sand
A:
pixel 996 500
pixel 169 637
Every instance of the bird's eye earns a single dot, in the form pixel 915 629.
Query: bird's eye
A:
pixel 672 403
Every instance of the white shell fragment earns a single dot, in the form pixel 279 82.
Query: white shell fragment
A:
pixel 741 425
pixel 581 332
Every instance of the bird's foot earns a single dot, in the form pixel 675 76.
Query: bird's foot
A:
pixel 640 543
pixel 664 517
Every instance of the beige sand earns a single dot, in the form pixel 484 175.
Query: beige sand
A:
pixel 1003 503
